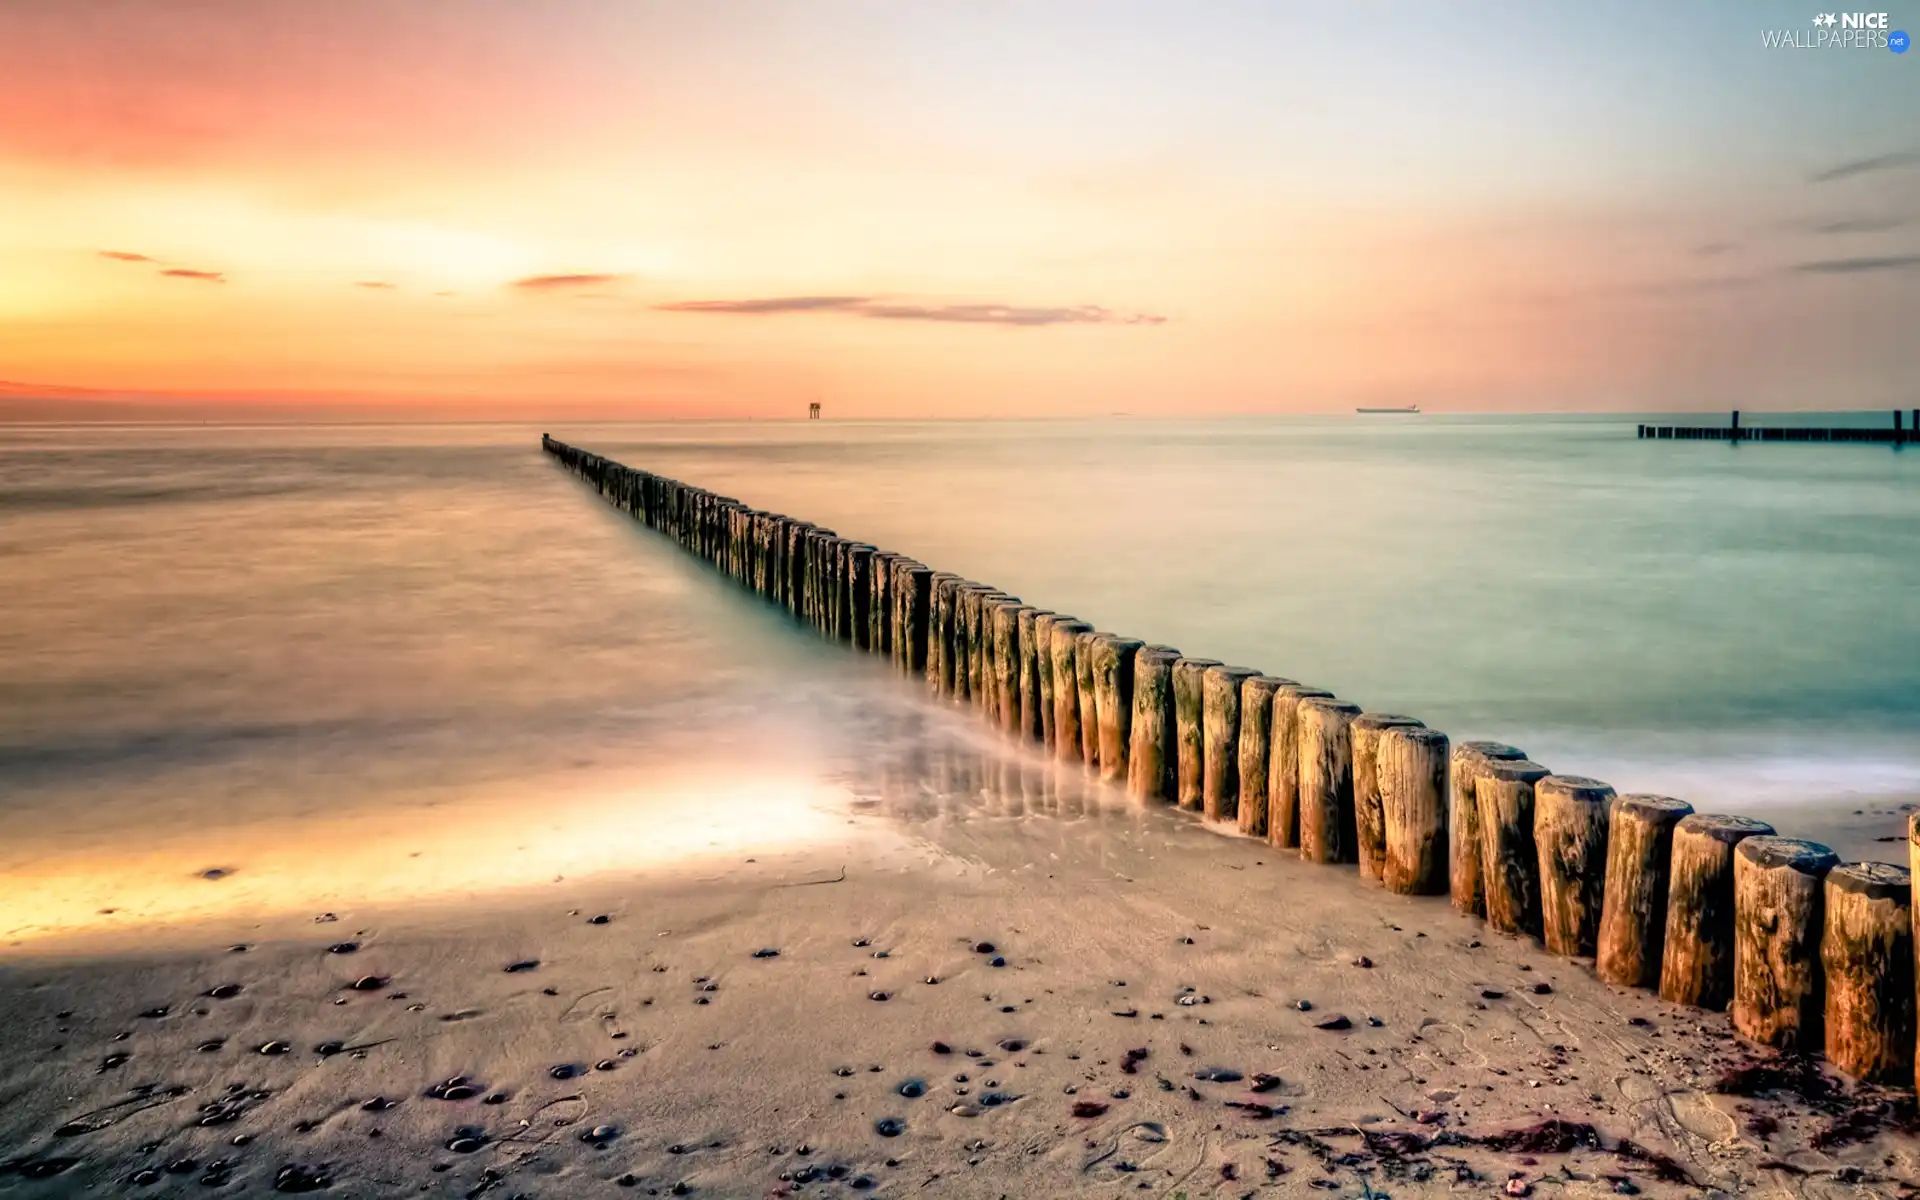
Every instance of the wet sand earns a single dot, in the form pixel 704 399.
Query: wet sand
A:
pixel 1003 981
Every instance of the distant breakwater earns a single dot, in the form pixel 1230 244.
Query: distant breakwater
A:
pixel 1808 954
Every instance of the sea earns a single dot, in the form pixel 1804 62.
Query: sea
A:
pixel 320 664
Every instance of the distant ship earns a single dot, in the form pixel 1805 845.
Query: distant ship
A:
pixel 1411 408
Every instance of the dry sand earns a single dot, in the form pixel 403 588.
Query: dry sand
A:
pixel 1003 982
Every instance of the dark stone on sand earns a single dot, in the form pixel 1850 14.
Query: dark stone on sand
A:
pixel 467 1139
pixel 912 1089
pixel 525 964
pixel 370 983
pixel 983 947
pixel 1088 1109
pixel 144 1176
pixel 1362 961
pixel 298 1177
pixel 600 1136
pixel 601 919
pixel 382 1104
pixel 273 1049
pixel 1541 989
pixel 565 1071
pixel 343 947
pixel 1334 1022
pixel 889 1127
pixel 879 995
pixel 1012 1045
pixel 996 961
pixel 1263 1082
pixel 156 1012
pixel 216 873
pixel 1219 1075
pixel 114 1060
pixel 1303 1005
pixel 941 1048
pixel 766 952
pixel 329 1049
pixel 458 1088
pixel 605 1064
pixel 1492 994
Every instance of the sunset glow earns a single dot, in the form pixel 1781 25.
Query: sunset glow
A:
pixel 483 209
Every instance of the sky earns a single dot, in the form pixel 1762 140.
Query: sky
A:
pixel 486 209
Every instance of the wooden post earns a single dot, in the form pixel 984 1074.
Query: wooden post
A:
pixel 966 641
pixel 1779 886
pixel 840 616
pixel 1220 741
pixel 1369 821
pixel 859 622
pixel 1089 701
pixel 1256 749
pixel 980 665
pixel 1043 672
pixel 1113 700
pixel 1571 814
pixel 795 562
pixel 1866 955
pixel 1283 764
pixel 1510 862
pixel 1007 617
pixel 1189 704
pixel 1066 689
pixel 1633 915
pixel 1410 763
pixel 1032 726
pixel 1696 959
pixel 940 633
pixel 1153 738
pixel 1326 779
pixel 917 581
pixel 1466 874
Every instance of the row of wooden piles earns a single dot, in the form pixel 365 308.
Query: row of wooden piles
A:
pixel 1808 953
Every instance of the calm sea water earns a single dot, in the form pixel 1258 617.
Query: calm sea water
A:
pixel 425 658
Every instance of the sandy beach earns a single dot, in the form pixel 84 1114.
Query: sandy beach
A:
pixel 1003 980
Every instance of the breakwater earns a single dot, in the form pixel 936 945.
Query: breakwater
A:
pixel 1897 434
pixel 1807 954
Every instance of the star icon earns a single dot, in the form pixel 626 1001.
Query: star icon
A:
pixel 1825 20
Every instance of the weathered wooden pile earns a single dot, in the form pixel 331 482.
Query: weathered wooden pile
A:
pixel 1713 911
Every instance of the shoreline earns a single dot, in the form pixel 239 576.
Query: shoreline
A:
pixel 1118 930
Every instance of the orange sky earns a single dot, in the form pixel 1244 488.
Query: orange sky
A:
pixel 488 209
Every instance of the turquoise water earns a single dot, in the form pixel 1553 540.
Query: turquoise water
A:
pixel 217 640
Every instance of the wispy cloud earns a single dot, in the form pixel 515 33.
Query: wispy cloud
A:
pixel 1894 161
pixel 1860 266
pixel 772 305
pixel 376 284
pixel 878 309
pixel 1713 249
pixel 1857 225
pixel 204 276
pixel 558 283
pixel 124 256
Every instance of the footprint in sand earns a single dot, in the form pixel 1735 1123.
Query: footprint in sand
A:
pixel 1698 1115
